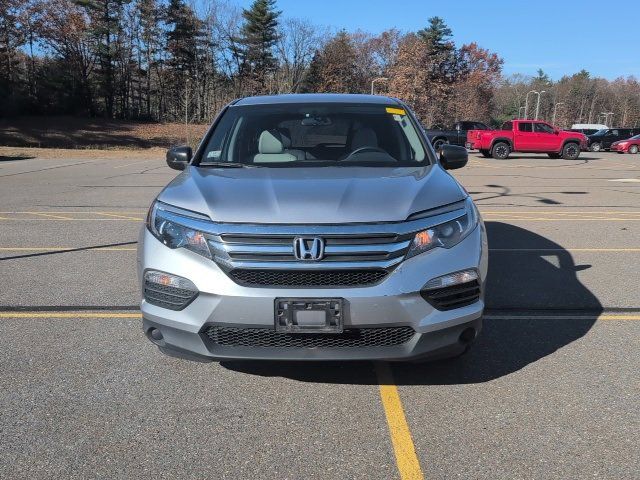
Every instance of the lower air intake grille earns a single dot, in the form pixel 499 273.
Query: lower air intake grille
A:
pixel 306 278
pixel 264 337
pixel 165 296
pixel 456 296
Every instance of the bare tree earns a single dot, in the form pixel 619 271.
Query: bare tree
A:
pixel 297 42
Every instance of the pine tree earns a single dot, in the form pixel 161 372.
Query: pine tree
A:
pixel 11 38
pixel 185 43
pixel 441 66
pixel 313 76
pixel 258 37
pixel 437 36
pixel 105 27
pixel 150 44
pixel 183 37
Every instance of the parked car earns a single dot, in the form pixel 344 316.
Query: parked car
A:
pixel 313 227
pixel 527 136
pixel 456 135
pixel 631 145
pixel 602 139
pixel 587 128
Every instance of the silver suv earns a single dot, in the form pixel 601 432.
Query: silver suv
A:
pixel 313 227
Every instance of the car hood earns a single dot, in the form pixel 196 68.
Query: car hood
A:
pixel 312 195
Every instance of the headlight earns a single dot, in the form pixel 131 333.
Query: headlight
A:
pixel 446 234
pixel 162 224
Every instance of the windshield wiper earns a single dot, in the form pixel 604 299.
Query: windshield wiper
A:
pixel 225 165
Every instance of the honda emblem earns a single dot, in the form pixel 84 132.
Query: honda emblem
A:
pixel 308 248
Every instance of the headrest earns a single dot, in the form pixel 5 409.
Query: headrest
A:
pixel 364 137
pixel 270 142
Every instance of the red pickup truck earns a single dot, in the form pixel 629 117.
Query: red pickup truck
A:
pixel 527 136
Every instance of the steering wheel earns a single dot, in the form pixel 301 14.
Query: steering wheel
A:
pixel 364 149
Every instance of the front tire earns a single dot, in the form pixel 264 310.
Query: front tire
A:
pixel 595 147
pixel 571 151
pixel 501 150
pixel 633 149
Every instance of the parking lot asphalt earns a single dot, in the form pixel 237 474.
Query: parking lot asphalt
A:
pixel 550 390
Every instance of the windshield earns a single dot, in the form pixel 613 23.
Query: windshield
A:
pixel 636 137
pixel 295 135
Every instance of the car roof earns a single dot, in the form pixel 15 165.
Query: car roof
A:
pixel 350 98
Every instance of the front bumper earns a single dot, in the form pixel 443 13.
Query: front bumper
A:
pixel 618 148
pixel 396 301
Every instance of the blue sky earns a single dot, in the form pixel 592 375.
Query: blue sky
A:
pixel 561 36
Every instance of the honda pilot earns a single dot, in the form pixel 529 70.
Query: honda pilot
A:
pixel 313 227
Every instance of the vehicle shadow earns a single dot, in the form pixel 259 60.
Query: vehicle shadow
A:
pixel 530 280
pixel 13 158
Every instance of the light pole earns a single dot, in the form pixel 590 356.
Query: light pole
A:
pixel 555 109
pixel 526 104
pixel 373 82
pixel 538 103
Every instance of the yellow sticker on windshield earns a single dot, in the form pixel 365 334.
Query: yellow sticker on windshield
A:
pixel 397 111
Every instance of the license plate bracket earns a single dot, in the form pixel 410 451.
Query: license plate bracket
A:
pixel 309 315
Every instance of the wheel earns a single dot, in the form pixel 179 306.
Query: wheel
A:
pixel 595 147
pixel 485 153
pixel 553 155
pixel 501 150
pixel 571 151
pixel 633 149
pixel 438 143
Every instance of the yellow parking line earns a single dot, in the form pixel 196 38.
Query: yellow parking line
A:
pixel 32 249
pixel 537 212
pixel 75 212
pixel 68 315
pixel 631 250
pixel 403 447
pixel 71 219
pixel 544 219
pixel 563 317
pixel 139 162
pixel 57 217
pixel 62 249
pixel 384 374
pixel 119 216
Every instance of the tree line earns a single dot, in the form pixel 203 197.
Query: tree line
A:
pixel 169 60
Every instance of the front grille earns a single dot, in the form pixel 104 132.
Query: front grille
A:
pixel 307 278
pixel 346 248
pixel 166 296
pixel 266 338
pixel 456 296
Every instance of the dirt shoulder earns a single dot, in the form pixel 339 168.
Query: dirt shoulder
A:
pixel 94 133
pixel 22 153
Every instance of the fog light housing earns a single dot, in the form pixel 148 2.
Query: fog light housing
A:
pixel 454 290
pixel 168 291
pixel 450 279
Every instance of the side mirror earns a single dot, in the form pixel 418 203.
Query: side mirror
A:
pixel 453 156
pixel 556 131
pixel 178 157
